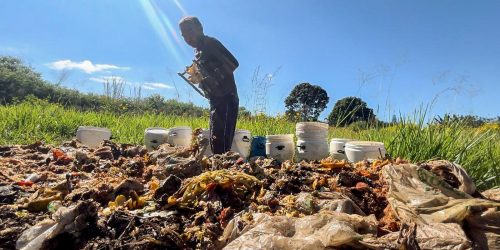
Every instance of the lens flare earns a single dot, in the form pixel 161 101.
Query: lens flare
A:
pixel 179 5
pixel 163 27
pixel 168 24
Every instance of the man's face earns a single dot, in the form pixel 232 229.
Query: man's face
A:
pixel 191 34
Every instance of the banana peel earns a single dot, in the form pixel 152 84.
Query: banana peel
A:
pixel 41 200
pixel 333 163
pixel 134 202
pixel 192 190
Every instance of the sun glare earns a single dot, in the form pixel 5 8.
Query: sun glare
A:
pixel 164 27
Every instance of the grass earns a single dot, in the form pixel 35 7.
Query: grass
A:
pixel 478 150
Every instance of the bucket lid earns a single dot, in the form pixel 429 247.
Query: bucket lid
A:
pixel 156 131
pixel 324 141
pixel 283 137
pixel 311 132
pixel 180 128
pixel 91 128
pixel 367 144
pixel 311 125
pixel 342 139
pixel 312 136
pixel 241 131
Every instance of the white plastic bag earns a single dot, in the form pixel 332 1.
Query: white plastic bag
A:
pixel 418 195
pixel 432 236
pixel 71 220
pixel 318 231
pixel 466 183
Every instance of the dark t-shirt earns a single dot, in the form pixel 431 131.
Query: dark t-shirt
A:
pixel 220 64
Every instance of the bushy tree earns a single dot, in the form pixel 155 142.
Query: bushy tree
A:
pixel 155 102
pixel 243 112
pixel 306 102
pixel 349 110
pixel 19 82
pixel 17 79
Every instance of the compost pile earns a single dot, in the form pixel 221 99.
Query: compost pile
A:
pixel 119 196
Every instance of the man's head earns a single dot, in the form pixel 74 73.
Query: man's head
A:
pixel 191 30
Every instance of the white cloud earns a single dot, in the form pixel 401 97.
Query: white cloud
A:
pixel 147 87
pixel 104 79
pixel 86 66
pixel 156 85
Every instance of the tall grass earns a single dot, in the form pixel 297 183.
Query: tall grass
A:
pixel 478 150
pixel 38 120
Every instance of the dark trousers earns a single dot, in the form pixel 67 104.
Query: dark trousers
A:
pixel 223 116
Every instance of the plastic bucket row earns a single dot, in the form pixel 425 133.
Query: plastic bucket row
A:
pixel 181 136
pixel 354 151
pixel 282 147
pixel 178 136
pixel 155 136
pixel 310 146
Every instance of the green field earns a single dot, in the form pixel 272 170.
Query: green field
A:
pixel 477 149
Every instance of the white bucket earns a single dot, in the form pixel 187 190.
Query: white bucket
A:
pixel 92 136
pixel 242 141
pixel 154 137
pixel 180 136
pixel 311 126
pixel 280 147
pixel 312 150
pixel 313 130
pixel 312 140
pixel 205 133
pixel 364 150
pixel 337 148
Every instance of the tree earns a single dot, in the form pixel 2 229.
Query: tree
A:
pixel 18 80
pixel 349 110
pixel 306 102
pixel 394 119
pixel 156 103
pixel 244 112
pixel 467 120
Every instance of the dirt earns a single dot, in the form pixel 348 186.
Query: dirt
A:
pixel 174 198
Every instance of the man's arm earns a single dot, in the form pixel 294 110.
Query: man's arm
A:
pixel 230 60
pixel 223 55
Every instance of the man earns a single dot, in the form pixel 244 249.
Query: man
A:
pixel 217 84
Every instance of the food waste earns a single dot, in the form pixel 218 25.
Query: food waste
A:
pixel 120 196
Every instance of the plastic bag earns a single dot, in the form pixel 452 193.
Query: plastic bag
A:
pixel 492 194
pixel 326 201
pixel 458 174
pixel 318 231
pixel 34 237
pixel 70 220
pixel 432 236
pixel 484 229
pixel 418 195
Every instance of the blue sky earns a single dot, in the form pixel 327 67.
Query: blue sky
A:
pixel 395 55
